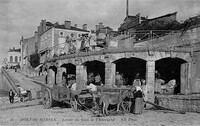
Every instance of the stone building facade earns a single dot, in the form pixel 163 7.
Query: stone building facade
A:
pixel 54 38
pixel 184 59
pixel 13 57
pixel 29 46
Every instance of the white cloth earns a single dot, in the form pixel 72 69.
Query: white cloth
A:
pixel 144 90
pixel 138 88
pixel 22 91
pixel 92 87
pixel 73 88
pixel 157 85
pixel 172 83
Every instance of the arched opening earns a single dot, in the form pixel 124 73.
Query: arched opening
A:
pixel 16 59
pixel 95 72
pixel 11 59
pixel 129 67
pixel 68 73
pixel 53 71
pixel 172 69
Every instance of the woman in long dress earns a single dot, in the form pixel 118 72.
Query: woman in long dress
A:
pixel 138 96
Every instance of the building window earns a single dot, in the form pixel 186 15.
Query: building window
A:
pixel 16 59
pixel 20 58
pixel 49 35
pixel 11 59
pixel 61 34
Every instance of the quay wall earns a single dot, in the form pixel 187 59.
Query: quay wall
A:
pixel 187 103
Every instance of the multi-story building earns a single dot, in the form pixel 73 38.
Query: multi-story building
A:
pixel 54 37
pixel 131 23
pixel 29 47
pixel 14 57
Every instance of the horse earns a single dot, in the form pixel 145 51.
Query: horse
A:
pixel 113 99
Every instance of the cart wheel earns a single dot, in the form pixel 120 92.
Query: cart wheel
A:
pixel 126 104
pixel 74 105
pixel 30 96
pixel 47 99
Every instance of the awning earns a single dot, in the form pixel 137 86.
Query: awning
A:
pixel 39 66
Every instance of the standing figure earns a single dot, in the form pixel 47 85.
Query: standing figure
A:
pixel 67 45
pixel 72 84
pixel 138 100
pixel 11 96
pixel 137 81
pixel 72 48
pixel 64 80
pixel 118 79
pixel 158 83
pixel 15 69
pixel 98 80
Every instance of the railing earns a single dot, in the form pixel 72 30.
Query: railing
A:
pixel 132 38
pixel 10 81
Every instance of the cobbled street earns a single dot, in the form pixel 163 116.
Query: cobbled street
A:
pixel 33 113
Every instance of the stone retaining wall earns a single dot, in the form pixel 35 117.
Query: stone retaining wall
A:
pixel 188 103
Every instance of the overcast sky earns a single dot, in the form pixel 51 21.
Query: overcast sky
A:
pixel 21 17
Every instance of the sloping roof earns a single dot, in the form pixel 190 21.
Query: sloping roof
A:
pixel 167 15
pixel 72 28
pixel 133 22
pixel 49 23
pixel 14 50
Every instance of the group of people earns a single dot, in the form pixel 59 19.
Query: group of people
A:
pixel 138 89
pixel 84 43
pixel 93 81
pixel 120 80
pixel 161 87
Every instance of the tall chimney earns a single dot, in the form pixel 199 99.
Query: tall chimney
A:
pixel 84 26
pixel 101 25
pixel 68 24
pixel 139 18
pixel 43 25
pixel 75 25
pixel 126 8
pixel 97 27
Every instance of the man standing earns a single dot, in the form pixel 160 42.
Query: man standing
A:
pixel 15 69
pixel 98 80
pixel 11 96
pixel 118 80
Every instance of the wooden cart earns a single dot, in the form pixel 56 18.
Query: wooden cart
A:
pixel 82 99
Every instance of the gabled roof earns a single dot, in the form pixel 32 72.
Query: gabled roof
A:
pixel 49 23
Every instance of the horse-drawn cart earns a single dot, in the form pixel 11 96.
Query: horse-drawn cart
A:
pixel 76 99
pixel 84 99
